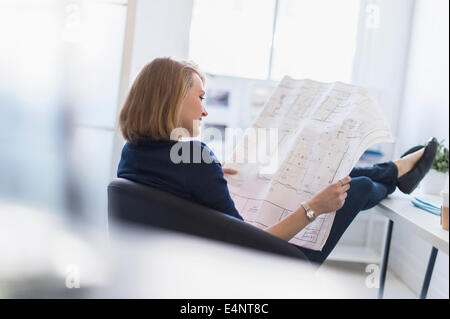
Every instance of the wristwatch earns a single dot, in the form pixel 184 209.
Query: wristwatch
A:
pixel 309 212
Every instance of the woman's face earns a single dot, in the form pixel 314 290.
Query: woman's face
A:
pixel 192 110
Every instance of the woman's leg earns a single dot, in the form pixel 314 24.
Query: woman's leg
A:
pixel 384 173
pixel 364 193
pixel 368 187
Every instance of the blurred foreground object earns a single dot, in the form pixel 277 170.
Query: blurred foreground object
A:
pixel 41 257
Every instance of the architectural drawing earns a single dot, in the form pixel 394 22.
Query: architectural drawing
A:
pixel 323 129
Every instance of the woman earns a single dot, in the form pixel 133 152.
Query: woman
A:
pixel 167 95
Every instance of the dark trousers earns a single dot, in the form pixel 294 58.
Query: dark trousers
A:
pixel 369 185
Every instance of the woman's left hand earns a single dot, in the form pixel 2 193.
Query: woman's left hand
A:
pixel 229 171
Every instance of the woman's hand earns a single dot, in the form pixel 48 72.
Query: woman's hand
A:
pixel 229 171
pixel 331 198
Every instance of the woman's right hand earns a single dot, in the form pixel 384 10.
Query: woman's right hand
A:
pixel 331 198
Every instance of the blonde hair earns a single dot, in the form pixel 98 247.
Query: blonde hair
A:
pixel 153 105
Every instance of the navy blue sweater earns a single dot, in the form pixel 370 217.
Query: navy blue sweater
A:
pixel 196 178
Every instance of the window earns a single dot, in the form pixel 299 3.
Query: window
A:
pixel 315 39
pixel 232 37
pixel 312 39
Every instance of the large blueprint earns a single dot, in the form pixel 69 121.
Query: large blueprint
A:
pixel 322 129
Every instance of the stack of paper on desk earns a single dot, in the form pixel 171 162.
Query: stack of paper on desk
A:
pixel 429 203
pixel 322 130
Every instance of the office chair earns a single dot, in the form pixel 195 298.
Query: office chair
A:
pixel 131 202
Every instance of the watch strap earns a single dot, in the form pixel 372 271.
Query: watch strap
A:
pixel 309 212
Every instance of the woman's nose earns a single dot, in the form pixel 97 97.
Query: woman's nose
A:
pixel 204 113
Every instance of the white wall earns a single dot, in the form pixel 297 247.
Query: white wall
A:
pixel 425 107
pixel 381 55
pixel 160 28
pixel 425 113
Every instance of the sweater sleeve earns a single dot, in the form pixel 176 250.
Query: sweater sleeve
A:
pixel 209 186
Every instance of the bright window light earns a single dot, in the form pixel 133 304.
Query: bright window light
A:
pixel 315 39
pixel 232 37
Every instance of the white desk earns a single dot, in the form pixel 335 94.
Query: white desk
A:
pixel 399 209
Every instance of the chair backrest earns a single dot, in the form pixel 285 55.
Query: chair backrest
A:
pixel 133 202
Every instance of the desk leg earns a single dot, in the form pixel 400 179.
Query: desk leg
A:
pixel 387 246
pixel 426 281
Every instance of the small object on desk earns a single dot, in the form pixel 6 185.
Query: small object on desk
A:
pixel 444 210
pixel 426 206
pixel 429 203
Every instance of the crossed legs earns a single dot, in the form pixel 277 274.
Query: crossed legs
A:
pixel 369 185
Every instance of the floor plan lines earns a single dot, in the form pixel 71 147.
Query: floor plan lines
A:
pixel 323 129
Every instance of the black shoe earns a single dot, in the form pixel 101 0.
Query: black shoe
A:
pixel 408 182
pixel 412 150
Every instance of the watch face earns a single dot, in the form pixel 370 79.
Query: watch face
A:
pixel 311 215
